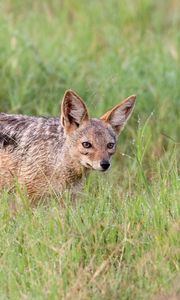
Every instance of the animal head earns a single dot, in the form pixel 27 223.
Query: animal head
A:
pixel 92 142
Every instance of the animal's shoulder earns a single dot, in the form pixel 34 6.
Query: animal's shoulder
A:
pixel 15 128
pixel 12 118
pixel 18 122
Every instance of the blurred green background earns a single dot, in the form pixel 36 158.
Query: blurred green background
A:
pixel 105 51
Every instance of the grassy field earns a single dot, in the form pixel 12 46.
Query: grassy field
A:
pixel 122 239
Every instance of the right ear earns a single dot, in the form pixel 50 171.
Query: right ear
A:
pixel 73 111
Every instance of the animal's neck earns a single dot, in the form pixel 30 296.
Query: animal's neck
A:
pixel 69 170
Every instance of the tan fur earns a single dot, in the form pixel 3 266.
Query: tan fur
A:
pixel 8 169
pixel 49 155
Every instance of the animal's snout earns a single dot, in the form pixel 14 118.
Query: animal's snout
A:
pixel 104 164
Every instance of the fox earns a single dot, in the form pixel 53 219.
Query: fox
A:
pixel 48 155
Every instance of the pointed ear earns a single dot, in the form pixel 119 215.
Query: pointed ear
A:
pixel 73 111
pixel 119 115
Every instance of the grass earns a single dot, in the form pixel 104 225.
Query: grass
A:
pixel 121 241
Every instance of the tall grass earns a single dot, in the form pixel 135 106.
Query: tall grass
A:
pixel 121 240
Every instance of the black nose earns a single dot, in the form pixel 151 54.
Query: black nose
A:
pixel 105 164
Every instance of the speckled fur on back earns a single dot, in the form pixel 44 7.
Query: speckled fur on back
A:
pixel 48 155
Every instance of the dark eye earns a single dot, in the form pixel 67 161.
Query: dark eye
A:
pixel 87 145
pixel 110 145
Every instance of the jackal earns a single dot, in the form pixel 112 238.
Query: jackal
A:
pixel 46 154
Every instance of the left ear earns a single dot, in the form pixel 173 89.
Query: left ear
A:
pixel 119 115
